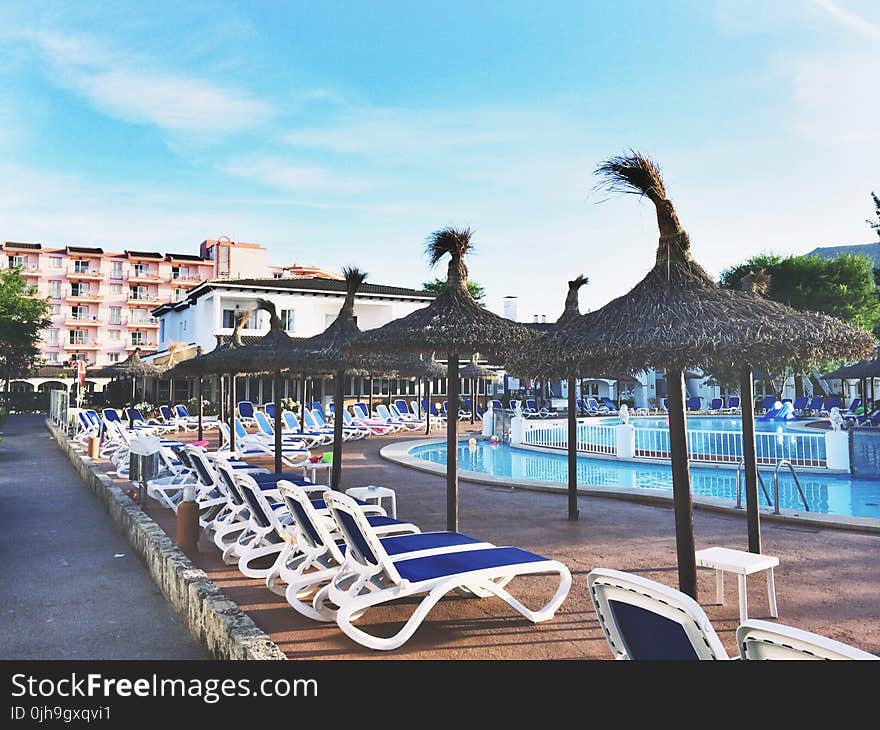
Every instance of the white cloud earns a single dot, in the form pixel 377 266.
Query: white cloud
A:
pixel 127 88
pixel 849 19
pixel 287 175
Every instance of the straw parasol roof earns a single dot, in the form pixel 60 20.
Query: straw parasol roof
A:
pixel 408 365
pixel 474 370
pixel 678 317
pixel 219 360
pixel 454 321
pixel 869 368
pixel 131 367
pixel 270 352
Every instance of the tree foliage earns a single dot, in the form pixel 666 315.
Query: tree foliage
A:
pixel 477 291
pixel 22 319
pixel 875 224
pixel 843 287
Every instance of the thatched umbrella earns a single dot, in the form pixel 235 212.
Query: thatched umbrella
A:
pixel 132 367
pixel 453 323
pixel 677 318
pixel 474 371
pixel 410 365
pixel 521 362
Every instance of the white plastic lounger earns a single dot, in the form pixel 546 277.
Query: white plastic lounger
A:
pixel 321 557
pixel 765 640
pixel 643 619
pixel 370 577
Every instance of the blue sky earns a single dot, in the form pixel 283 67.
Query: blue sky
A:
pixel 345 132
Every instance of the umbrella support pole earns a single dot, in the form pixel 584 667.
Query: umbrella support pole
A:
pixel 428 409
pixel 750 462
pixel 276 388
pixel 681 485
pixel 232 413
pixel 452 444
pixel 572 451
pixel 338 402
pixel 200 408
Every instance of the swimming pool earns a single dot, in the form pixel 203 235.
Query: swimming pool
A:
pixel 826 493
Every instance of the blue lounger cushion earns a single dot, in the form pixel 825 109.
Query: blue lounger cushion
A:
pixel 400 544
pixel 651 636
pixel 438 566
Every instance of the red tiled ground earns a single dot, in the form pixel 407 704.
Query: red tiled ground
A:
pixel 828 580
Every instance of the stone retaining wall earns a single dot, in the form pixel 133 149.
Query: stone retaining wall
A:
pixel 226 630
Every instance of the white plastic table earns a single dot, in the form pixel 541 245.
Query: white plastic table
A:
pixel 742 564
pixel 308 466
pixel 370 493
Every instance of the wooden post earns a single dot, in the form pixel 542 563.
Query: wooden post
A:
pixel 200 409
pixel 750 461
pixel 681 485
pixel 419 397
pixel 428 409
pixel 452 444
pixel 221 398
pixel 370 398
pixel 473 399
pixel 131 405
pixel 572 451
pixel 276 388
pixel 232 412
pixel 338 402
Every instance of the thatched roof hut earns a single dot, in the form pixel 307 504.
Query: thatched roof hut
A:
pixel 220 360
pixel 131 367
pixel 474 371
pixel 454 321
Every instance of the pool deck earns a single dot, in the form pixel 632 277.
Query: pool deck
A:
pixel 828 580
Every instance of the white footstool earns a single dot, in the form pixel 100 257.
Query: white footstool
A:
pixel 742 564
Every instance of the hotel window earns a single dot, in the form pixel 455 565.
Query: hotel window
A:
pixel 287 319
pixel 179 272
pixel 81 266
pixel 113 357
pixel 16 262
pixel 54 309
pixel 114 335
pixel 138 292
pixel 79 312
pixel 116 271
pixel 139 270
pixel 55 289
pixel 78 289
pixel 77 337
pixel 137 338
pixel 55 262
pixel 53 357
pixel 52 340
pixel 115 315
pixel 179 294
pixel 116 288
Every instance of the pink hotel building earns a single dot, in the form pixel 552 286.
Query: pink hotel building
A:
pixel 100 302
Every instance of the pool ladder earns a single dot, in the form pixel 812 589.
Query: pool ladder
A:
pixel 775 502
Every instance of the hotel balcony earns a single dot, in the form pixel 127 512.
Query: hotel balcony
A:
pixel 92 274
pixel 143 345
pixel 82 322
pixel 187 281
pixel 93 295
pixel 136 323
pixel 84 345
pixel 33 271
pixel 143 278
pixel 143 301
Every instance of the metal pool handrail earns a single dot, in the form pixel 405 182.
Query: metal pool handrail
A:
pixel 785 462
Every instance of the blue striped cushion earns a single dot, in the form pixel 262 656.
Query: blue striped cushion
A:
pixel 439 566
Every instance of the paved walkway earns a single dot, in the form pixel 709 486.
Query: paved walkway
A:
pixel 71 587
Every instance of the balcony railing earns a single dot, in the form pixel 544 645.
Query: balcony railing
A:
pixel 144 276
pixel 86 321
pixel 90 295
pixel 75 272
pixel 143 299
pixel 142 345
pixel 84 345
pixel 145 322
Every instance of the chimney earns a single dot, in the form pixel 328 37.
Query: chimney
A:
pixel 543 319
pixel 510 308
pixel 535 321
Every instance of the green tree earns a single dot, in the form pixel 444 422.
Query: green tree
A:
pixel 843 287
pixel 477 291
pixel 875 224
pixel 22 318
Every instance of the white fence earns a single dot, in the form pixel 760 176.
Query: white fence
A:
pixel 591 438
pixel 715 447
pixel 725 447
pixel 58 407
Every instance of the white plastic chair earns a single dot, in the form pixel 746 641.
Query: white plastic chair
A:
pixel 765 640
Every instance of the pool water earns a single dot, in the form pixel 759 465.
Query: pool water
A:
pixel 826 493
pixel 705 423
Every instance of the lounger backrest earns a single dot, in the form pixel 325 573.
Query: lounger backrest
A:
pixel 733 401
pixel 383 412
pixel 245 409
pixel 313 530
pixel 832 401
pixel 291 421
pixel 800 403
pixel 226 480
pixel 396 415
pixel 765 640
pixel 360 410
pixel 643 619
pixel 181 410
pixel 497 404
pixel 362 544
pixel 816 402
pixel 166 413
pixel 414 407
pixel 401 406
pixel 694 403
pixel 240 430
pixel 110 414
pixel 592 404
pixel 665 403
pixel 256 502
pixel 93 416
pixel 263 423
pixel 309 420
pixel 318 418
pixel 856 403
pixel 203 470
pixel 716 404
pixel 269 408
